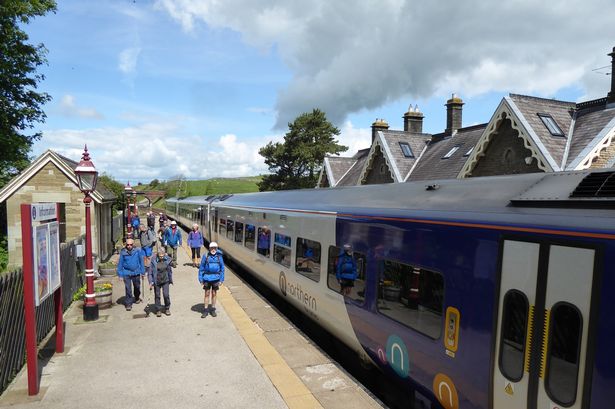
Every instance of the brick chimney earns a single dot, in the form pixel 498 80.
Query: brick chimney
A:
pixel 378 125
pixel 611 95
pixel 453 114
pixel 413 120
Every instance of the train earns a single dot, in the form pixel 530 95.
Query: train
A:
pixel 490 292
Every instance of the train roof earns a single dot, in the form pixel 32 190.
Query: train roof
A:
pixel 585 196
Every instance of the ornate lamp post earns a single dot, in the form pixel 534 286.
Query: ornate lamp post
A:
pixel 127 192
pixel 87 176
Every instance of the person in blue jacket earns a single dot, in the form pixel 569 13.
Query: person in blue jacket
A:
pixel 346 270
pixel 160 276
pixel 195 242
pixel 130 268
pixel 211 276
pixel 172 240
pixel 136 222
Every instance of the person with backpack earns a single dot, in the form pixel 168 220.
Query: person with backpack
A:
pixel 136 222
pixel 148 241
pixel 160 276
pixel 130 268
pixel 151 221
pixel 346 270
pixel 211 276
pixel 195 241
pixel 172 240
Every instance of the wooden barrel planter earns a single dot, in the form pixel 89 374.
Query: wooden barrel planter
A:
pixel 104 298
pixel 107 271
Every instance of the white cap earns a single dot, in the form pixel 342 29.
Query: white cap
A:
pixel 347 247
pixel 173 222
pixel 213 244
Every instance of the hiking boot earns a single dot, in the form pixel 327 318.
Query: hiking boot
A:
pixel 204 314
pixel 213 313
pixel 128 307
pixel 167 312
pixel 158 314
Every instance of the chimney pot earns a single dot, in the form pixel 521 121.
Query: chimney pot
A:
pixel 453 114
pixel 611 95
pixel 413 120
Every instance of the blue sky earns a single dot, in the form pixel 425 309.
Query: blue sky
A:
pixel 164 88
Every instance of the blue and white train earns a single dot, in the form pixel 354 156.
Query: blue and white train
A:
pixel 494 292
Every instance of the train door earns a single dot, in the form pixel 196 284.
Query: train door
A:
pixel 543 325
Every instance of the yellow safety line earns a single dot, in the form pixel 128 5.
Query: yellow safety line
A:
pixel 528 338
pixel 293 391
pixel 545 339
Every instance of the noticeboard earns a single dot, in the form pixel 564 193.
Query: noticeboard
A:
pixel 46 246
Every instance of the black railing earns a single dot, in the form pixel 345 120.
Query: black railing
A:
pixel 12 325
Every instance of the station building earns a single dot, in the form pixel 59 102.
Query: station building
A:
pixel 525 134
pixel 51 178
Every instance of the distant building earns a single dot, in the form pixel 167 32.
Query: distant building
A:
pixel 51 178
pixel 525 134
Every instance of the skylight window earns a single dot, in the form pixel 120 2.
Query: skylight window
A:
pixel 551 125
pixel 405 148
pixel 450 153
pixel 469 152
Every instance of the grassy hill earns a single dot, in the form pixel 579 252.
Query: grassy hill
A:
pixel 216 186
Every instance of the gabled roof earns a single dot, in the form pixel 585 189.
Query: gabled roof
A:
pixel 388 142
pixel 66 166
pixel 562 113
pixel 434 165
pixel 351 178
pixel 593 130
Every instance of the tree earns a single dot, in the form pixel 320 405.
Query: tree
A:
pixel 295 164
pixel 20 103
pixel 116 187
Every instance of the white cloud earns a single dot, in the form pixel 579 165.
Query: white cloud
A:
pixel 127 60
pixel 158 150
pixel 347 56
pixel 69 108
pixel 354 138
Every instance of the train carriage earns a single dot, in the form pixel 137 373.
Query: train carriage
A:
pixel 477 293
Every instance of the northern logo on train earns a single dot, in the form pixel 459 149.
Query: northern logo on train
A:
pixel 282 283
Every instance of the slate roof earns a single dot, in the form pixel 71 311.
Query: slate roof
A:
pixel 560 111
pixel 352 176
pixel 589 124
pixel 338 166
pixel 416 141
pixel 432 164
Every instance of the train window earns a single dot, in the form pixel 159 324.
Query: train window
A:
pixel 250 236
pixel 281 249
pixel 411 296
pixel 563 355
pixel 512 339
pixel 307 258
pixel 230 229
pixel 263 244
pixel 239 232
pixel 222 227
pixel 338 267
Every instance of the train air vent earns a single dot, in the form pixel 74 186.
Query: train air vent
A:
pixel 598 184
pixel 224 197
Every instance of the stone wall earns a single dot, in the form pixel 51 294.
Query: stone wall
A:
pixel 505 155
pixel 48 185
pixel 379 171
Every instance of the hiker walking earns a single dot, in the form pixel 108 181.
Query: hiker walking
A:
pixel 159 278
pixel 148 241
pixel 172 240
pixel 130 268
pixel 195 241
pixel 151 221
pixel 211 275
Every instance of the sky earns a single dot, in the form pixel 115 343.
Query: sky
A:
pixel 193 88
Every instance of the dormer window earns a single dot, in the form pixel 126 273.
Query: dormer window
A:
pixel 551 125
pixel 450 153
pixel 405 148
pixel 469 152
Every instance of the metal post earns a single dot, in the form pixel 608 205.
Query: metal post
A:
pixel 90 308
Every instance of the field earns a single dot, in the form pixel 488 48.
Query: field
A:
pixel 217 186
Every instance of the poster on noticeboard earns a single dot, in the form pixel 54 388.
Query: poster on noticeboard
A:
pixel 54 257
pixel 41 263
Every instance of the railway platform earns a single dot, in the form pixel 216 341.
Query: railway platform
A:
pixel 249 356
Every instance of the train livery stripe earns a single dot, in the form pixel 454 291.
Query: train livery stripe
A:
pixel 277 209
pixel 486 226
